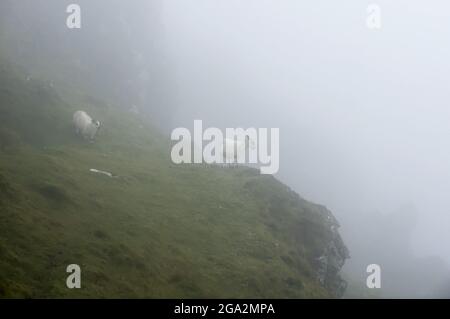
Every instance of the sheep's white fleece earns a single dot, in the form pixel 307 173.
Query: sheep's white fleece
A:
pixel 84 125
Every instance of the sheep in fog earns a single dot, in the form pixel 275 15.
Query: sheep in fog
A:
pixel 239 147
pixel 85 125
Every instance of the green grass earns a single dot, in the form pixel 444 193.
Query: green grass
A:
pixel 157 230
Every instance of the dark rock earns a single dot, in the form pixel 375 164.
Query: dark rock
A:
pixel 333 257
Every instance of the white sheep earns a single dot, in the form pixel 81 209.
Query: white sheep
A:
pixel 233 150
pixel 85 125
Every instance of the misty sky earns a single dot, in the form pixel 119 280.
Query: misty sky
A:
pixel 363 114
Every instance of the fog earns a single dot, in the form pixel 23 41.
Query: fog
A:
pixel 363 114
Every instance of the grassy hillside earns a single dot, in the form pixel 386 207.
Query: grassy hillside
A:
pixel 157 229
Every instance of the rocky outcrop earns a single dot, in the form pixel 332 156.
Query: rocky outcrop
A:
pixel 333 257
pixel 312 228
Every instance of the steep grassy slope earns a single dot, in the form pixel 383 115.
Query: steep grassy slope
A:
pixel 157 229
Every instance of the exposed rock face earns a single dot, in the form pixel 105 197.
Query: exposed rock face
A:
pixel 332 259
pixel 311 227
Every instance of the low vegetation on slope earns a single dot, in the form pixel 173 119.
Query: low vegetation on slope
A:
pixel 157 229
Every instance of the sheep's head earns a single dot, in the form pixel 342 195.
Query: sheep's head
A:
pixel 96 123
pixel 94 130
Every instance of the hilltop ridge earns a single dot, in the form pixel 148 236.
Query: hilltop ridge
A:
pixel 158 230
